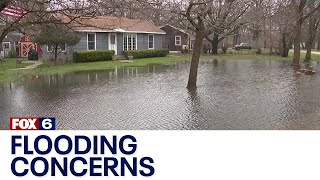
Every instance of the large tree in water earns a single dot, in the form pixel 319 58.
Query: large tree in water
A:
pixel 197 14
pixel 201 15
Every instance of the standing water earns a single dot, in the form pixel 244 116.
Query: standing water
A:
pixel 232 94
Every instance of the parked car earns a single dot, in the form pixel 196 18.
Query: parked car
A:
pixel 243 46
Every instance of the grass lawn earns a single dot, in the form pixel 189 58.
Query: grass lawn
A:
pixel 10 63
pixel 6 75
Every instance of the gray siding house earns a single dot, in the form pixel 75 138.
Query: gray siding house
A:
pixel 10 43
pixel 110 33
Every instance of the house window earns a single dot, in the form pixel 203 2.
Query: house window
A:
pixel 178 40
pixel 49 48
pixel 6 45
pixel 151 41
pixel 113 39
pixel 129 42
pixel 63 47
pixel 92 41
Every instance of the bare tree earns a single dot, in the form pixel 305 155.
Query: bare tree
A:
pixel 39 12
pixel 197 13
pixel 283 22
pixel 226 19
pixel 206 17
pixel 260 13
pixel 300 8
pixel 313 25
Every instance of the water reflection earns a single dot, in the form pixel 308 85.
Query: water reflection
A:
pixel 237 94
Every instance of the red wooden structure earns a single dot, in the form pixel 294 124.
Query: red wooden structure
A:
pixel 27 45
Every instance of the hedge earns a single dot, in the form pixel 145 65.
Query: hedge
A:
pixel 146 53
pixel 92 56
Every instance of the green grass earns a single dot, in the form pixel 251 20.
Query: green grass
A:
pixel 6 72
pixel 247 56
pixel 7 75
pixel 10 63
pixel 109 64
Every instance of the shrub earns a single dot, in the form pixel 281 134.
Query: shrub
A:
pixel 205 49
pixel 230 52
pixel 259 51
pixel 224 49
pixel 13 54
pixel 92 56
pixel 272 52
pixel 146 53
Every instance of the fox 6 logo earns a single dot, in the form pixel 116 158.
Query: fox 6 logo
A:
pixel 32 123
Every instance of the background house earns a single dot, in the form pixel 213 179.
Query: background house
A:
pixel 111 33
pixel 177 40
pixel 11 43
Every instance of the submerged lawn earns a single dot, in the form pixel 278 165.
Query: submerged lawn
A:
pixel 7 75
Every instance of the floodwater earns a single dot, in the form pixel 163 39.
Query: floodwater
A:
pixel 232 94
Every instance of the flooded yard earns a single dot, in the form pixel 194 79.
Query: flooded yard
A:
pixel 232 94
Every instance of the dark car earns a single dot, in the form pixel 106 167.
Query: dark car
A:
pixel 243 46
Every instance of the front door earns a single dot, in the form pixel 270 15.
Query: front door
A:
pixel 113 42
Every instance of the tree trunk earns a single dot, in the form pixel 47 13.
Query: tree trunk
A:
pixel 234 41
pixel 313 26
pixel 284 49
pixel 235 38
pixel 308 55
pixel 256 38
pixel 55 53
pixel 297 34
pixel 297 40
pixel 214 47
pixel 215 42
pixel 192 82
pixel 270 37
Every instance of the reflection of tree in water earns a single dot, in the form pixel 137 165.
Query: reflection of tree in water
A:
pixel 193 96
pixel 215 62
pixel 7 86
pixel 193 105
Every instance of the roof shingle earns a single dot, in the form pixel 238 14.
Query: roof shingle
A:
pixel 108 23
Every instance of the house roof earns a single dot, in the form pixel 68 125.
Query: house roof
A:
pixel 113 24
pixel 181 30
pixel 12 37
